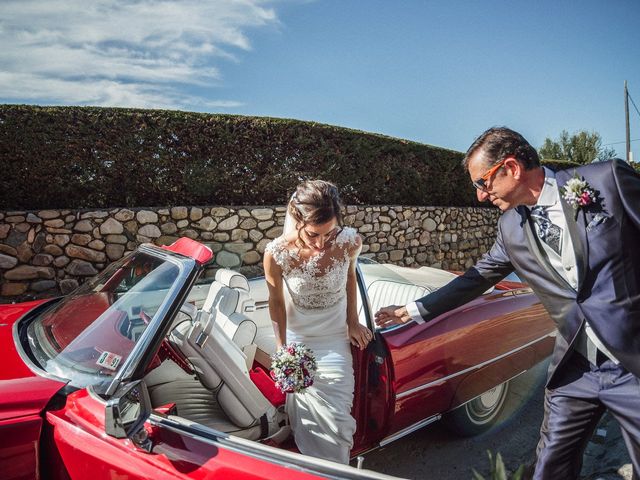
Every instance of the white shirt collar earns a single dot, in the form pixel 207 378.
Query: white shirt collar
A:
pixel 549 193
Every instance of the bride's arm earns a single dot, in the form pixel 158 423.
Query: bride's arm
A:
pixel 359 335
pixel 277 310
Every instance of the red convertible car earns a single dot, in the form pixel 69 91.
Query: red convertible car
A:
pixel 150 371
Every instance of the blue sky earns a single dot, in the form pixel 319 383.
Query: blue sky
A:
pixel 437 72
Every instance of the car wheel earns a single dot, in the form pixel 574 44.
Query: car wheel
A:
pixel 479 414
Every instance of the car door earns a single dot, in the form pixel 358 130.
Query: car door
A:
pixel 443 363
pixel 373 400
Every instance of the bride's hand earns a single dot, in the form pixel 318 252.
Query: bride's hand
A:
pixel 359 335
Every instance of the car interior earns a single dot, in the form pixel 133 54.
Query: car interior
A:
pixel 217 338
pixel 216 371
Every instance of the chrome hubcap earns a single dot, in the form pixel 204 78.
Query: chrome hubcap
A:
pixel 490 398
pixel 483 408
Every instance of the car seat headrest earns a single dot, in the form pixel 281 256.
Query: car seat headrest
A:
pixel 232 279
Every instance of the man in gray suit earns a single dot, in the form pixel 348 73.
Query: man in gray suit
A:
pixel 574 237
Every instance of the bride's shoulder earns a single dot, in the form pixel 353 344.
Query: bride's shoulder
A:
pixel 277 244
pixel 349 237
pixel 279 248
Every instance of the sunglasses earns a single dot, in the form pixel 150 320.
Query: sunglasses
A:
pixel 481 183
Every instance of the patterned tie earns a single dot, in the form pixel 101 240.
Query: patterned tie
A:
pixel 548 232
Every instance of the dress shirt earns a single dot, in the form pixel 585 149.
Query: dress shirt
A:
pixel 549 198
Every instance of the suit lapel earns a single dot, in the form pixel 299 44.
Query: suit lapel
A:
pixel 576 224
pixel 535 246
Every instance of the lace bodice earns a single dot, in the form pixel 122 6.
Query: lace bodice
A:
pixel 319 281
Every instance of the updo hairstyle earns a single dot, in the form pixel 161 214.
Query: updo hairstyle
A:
pixel 315 202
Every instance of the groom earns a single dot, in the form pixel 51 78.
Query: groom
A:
pixel 574 237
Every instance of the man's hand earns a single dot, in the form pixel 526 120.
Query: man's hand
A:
pixel 392 315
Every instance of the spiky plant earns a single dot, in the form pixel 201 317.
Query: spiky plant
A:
pixel 498 470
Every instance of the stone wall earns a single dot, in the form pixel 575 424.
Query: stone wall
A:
pixel 49 252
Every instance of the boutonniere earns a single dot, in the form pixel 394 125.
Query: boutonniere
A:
pixel 578 193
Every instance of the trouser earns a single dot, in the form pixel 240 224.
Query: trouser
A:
pixel 572 412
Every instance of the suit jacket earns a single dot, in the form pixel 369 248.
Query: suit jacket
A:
pixel 606 240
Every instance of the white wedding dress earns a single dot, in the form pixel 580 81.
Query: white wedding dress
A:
pixel 316 305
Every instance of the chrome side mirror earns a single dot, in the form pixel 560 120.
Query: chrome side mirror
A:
pixel 126 413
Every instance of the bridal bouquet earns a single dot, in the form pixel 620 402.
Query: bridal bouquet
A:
pixel 293 367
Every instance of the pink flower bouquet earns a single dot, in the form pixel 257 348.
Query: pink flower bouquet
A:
pixel 293 367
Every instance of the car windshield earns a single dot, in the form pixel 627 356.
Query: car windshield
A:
pixel 87 337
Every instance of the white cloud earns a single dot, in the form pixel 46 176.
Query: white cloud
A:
pixel 142 53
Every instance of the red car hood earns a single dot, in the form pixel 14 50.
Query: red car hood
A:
pixel 22 392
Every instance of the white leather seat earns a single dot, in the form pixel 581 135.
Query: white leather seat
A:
pixel 386 292
pixel 221 367
pixel 238 282
pixel 213 343
pixel 169 383
pixel 228 298
pixel 265 337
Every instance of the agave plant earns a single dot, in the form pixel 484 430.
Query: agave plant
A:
pixel 498 470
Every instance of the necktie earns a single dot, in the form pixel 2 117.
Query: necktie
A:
pixel 548 232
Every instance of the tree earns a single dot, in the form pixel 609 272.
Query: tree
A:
pixel 581 147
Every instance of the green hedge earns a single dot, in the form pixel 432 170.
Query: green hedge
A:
pixel 83 157
pixel 556 165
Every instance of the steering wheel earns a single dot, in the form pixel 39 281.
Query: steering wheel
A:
pixel 166 351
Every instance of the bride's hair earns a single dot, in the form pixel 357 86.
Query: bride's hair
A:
pixel 315 202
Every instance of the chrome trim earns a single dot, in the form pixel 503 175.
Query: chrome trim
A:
pixel 25 358
pixel 364 298
pixel 95 395
pixel 480 394
pixel 467 370
pixel 409 429
pixel 393 328
pixel 201 339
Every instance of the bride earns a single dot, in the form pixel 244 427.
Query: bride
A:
pixel 310 272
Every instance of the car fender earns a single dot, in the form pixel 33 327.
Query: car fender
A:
pixel 21 404
pixel 13 364
pixel 495 372
pixel 23 397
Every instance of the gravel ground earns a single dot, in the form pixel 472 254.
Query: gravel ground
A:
pixel 433 453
